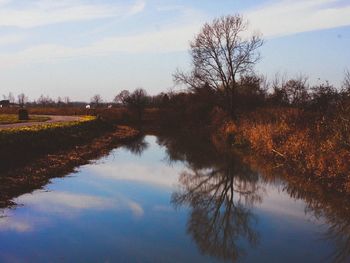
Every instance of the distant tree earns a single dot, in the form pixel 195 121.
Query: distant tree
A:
pixel 121 97
pixel 136 101
pixel 346 82
pixel 59 101
pixel 22 99
pixel 292 92
pixel 324 97
pixel 297 90
pixel 160 100
pixel 221 54
pixel 96 100
pixel 66 100
pixel 9 97
pixel 45 101
pixel 252 92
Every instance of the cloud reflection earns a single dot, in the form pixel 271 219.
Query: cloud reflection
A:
pixel 157 175
pixel 14 224
pixel 68 203
pixel 280 204
pixel 65 204
pixel 64 201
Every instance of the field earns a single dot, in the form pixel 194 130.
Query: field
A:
pixel 13 118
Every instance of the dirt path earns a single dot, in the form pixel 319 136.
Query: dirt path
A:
pixel 53 119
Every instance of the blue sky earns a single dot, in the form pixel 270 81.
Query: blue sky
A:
pixel 79 48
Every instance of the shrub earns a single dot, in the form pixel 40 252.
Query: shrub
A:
pixel 23 115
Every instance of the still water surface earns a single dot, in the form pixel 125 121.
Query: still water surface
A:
pixel 151 203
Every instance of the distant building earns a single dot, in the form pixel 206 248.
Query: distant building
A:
pixel 4 103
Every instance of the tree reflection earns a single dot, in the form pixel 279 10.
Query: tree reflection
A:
pixel 335 212
pixel 339 233
pixel 220 190
pixel 137 146
pixel 333 209
pixel 220 198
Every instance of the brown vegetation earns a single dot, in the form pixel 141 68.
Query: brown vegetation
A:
pixel 307 144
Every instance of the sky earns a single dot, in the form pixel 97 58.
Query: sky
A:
pixel 79 48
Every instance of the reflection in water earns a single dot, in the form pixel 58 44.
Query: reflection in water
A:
pixel 339 233
pixel 120 207
pixel 221 190
pixel 220 200
pixel 137 146
pixel 333 209
pixel 220 197
pixel 7 223
pixel 64 205
pixel 335 212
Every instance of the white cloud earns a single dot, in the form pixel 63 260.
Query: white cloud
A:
pixel 11 39
pixel 45 12
pixel 138 7
pixel 167 8
pixel 274 19
pixel 4 2
pixel 287 17
pixel 167 40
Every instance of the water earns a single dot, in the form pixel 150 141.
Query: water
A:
pixel 157 201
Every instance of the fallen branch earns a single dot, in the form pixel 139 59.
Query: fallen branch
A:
pixel 277 152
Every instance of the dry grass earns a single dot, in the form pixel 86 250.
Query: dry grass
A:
pixel 311 146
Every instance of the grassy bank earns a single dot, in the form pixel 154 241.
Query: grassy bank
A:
pixel 19 146
pixel 312 147
pixel 35 175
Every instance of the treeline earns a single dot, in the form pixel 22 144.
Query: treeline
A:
pixel 290 123
pixel 252 92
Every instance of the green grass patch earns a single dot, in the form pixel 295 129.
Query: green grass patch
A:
pixel 47 126
pixel 13 118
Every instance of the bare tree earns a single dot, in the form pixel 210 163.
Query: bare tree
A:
pixel 45 101
pixel 136 101
pixel 346 82
pixel 96 100
pixel 59 101
pixel 220 55
pixel 122 97
pixel 9 97
pixel 66 100
pixel 297 90
pixel 22 99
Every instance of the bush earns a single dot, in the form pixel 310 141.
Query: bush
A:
pixel 23 115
